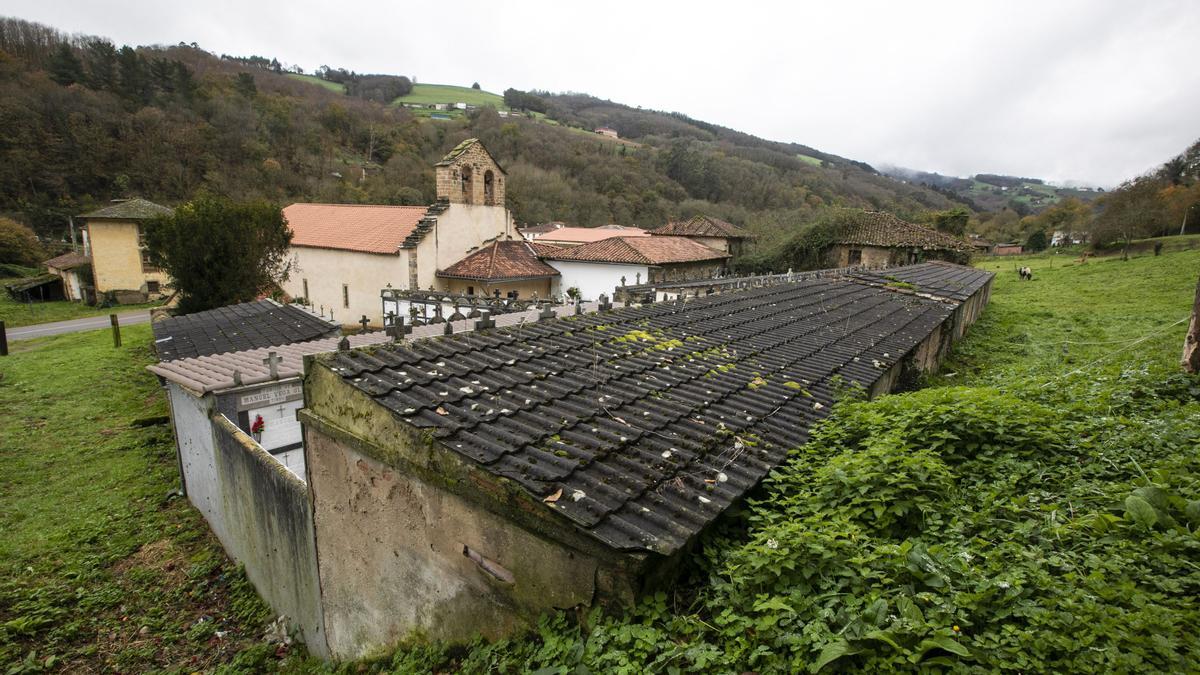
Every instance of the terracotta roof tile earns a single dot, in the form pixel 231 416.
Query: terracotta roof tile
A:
pixel 584 235
pixel 874 228
pixel 639 251
pixel 514 259
pixel 352 227
pixel 703 226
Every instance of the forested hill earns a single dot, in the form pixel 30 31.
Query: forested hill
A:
pixel 86 121
pixel 993 192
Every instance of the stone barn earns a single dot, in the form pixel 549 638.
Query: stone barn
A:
pixel 877 239
pixel 465 484
pixel 712 232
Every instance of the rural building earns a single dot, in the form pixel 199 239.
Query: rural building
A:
pixel 577 236
pixel 120 263
pixel 468 483
pixel 877 239
pixel 600 267
pixel 607 131
pixel 508 266
pixel 346 253
pixel 76 273
pixel 712 232
pixel 533 232
pixel 1012 248
pixel 249 325
pixel 980 244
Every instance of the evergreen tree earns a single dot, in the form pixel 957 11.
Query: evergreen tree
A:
pixel 65 68
pixel 220 252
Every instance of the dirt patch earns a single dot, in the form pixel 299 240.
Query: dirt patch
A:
pixel 162 557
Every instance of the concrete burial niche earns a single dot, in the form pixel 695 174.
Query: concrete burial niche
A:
pixel 466 484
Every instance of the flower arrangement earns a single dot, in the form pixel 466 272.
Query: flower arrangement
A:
pixel 258 426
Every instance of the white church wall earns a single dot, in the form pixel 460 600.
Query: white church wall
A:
pixel 363 275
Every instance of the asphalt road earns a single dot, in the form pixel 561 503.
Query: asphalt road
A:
pixel 75 325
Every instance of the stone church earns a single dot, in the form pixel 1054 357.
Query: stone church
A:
pixel 346 253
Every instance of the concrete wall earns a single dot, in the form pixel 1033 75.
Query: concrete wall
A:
pixel 416 541
pixel 197 456
pixel 592 279
pixel 117 259
pixel 401 558
pixel 269 529
pixel 366 274
pixel 526 288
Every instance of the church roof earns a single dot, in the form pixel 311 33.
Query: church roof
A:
pixel 640 425
pixel 365 228
pixel 462 148
pixel 503 260
pixel 129 209
pixel 641 250
pixel 703 226
pixel 249 325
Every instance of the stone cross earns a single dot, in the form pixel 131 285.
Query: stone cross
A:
pixel 449 329
pixel 272 362
pixel 344 344
pixel 364 322
pixel 547 313
pixel 398 329
pixel 237 378
pixel 622 279
pixel 485 321
pixel 605 305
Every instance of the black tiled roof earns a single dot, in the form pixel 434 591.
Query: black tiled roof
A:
pixel 651 420
pixel 943 279
pixel 250 325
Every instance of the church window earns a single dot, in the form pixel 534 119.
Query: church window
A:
pixel 489 188
pixel 468 187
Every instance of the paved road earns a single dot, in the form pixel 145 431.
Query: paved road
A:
pixel 75 325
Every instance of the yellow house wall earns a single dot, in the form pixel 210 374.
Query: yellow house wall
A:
pixel 526 289
pixel 116 259
pixel 365 273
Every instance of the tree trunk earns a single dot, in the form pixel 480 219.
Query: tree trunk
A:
pixel 1191 343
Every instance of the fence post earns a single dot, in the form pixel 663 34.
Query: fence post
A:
pixel 116 330
pixel 3 340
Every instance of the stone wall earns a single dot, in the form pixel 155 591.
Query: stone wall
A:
pixel 705 269
pixel 268 528
pixel 464 181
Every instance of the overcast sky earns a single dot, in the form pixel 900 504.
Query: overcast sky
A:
pixel 1094 92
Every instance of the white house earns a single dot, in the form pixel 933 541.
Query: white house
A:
pixel 346 253
pixel 600 267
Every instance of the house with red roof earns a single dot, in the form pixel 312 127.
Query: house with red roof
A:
pixel 346 253
pixel 600 267
pixel 510 267
pixel 712 232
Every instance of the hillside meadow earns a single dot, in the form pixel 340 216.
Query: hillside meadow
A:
pixel 1032 508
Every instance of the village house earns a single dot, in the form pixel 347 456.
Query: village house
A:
pixel 1009 248
pixel 712 232
pixel 532 232
pixel 74 269
pixel 346 253
pixel 466 484
pixel 877 239
pixel 507 268
pixel 600 267
pixel 577 236
pixel 121 267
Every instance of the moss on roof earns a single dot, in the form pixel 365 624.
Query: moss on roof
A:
pixel 129 209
